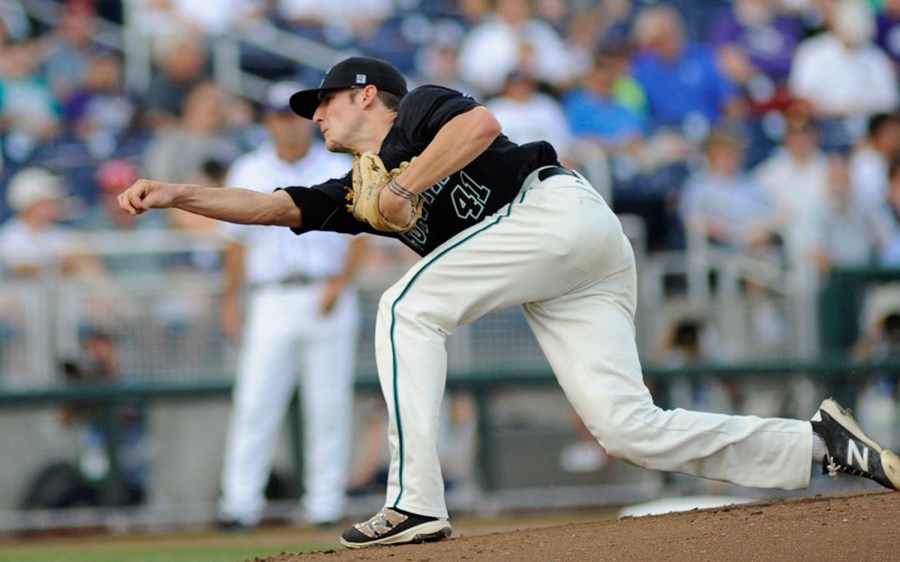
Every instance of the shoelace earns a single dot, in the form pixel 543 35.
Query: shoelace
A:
pixel 832 468
pixel 377 526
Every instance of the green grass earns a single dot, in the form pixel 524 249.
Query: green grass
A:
pixel 221 554
pixel 152 548
pixel 211 546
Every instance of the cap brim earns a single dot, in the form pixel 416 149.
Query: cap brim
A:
pixel 305 102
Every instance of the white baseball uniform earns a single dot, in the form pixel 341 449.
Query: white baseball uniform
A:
pixel 286 335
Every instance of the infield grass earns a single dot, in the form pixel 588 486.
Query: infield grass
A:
pixel 181 547
pixel 132 555
pixel 211 546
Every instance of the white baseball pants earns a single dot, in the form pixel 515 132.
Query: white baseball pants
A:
pixel 286 336
pixel 559 252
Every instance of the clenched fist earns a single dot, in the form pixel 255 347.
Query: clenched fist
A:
pixel 144 195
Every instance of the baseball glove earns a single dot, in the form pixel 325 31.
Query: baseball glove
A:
pixel 370 176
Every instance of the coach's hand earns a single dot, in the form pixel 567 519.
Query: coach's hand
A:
pixel 144 195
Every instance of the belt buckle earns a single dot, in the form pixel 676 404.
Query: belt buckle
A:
pixel 296 279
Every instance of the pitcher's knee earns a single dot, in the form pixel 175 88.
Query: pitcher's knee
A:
pixel 631 438
pixel 388 298
pixel 623 450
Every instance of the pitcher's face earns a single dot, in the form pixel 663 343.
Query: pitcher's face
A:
pixel 339 117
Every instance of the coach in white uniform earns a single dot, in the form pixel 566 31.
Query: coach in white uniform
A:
pixel 301 317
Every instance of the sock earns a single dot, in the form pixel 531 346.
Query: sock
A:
pixel 819 449
pixel 411 514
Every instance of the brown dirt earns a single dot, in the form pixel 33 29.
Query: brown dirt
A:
pixel 861 526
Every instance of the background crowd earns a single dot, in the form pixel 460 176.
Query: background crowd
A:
pixel 736 119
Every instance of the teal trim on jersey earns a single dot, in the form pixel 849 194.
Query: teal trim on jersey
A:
pixel 393 323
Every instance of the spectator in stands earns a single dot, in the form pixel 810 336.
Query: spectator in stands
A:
pixel 755 43
pixel 199 17
pixel 514 40
pixel 33 243
pixel 100 112
pixel 526 114
pixel 849 231
pixel 301 325
pixel 890 256
pixel 724 205
pixel 437 62
pixel 14 23
pixel 685 89
pixel 206 231
pixel 871 157
pixel 337 22
pixel 88 479
pixel 180 65
pixel 113 177
pixel 607 112
pixel 472 11
pixel 878 396
pixel 843 75
pixel 29 112
pixel 600 109
pixel 176 153
pixel 582 33
pixel 795 178
pixel 887 30
pixel 100 363
pixel 70 49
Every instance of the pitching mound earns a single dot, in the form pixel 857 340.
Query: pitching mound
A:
pixel 823 528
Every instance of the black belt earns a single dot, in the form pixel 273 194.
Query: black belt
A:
pixel 293 280
pixel 551 171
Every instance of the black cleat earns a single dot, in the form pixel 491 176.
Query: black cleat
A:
pixel 850 450
pixel 391 526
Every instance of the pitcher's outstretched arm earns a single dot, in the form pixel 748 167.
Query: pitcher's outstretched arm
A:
pixel 230 204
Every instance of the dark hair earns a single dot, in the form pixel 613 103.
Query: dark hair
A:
pixel 892 322
pixel 723 138
pixel 215 169
pixel 391 101
pixel 687 333
pixel 879 121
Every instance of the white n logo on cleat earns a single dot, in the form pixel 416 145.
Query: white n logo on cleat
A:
pixel 863 458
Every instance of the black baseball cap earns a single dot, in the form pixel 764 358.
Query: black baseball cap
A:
pixel 349 73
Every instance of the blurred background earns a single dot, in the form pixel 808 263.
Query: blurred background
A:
pixel 750 148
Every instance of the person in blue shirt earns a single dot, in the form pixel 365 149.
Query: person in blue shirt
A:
pixel 685 88
pixel 597 112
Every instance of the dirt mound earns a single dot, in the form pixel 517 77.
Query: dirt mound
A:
pixel 858 526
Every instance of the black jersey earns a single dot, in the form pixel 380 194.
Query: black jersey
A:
pixel 453 204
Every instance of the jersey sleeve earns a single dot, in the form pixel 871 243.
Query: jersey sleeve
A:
pixel 428 108
pixel 324 207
